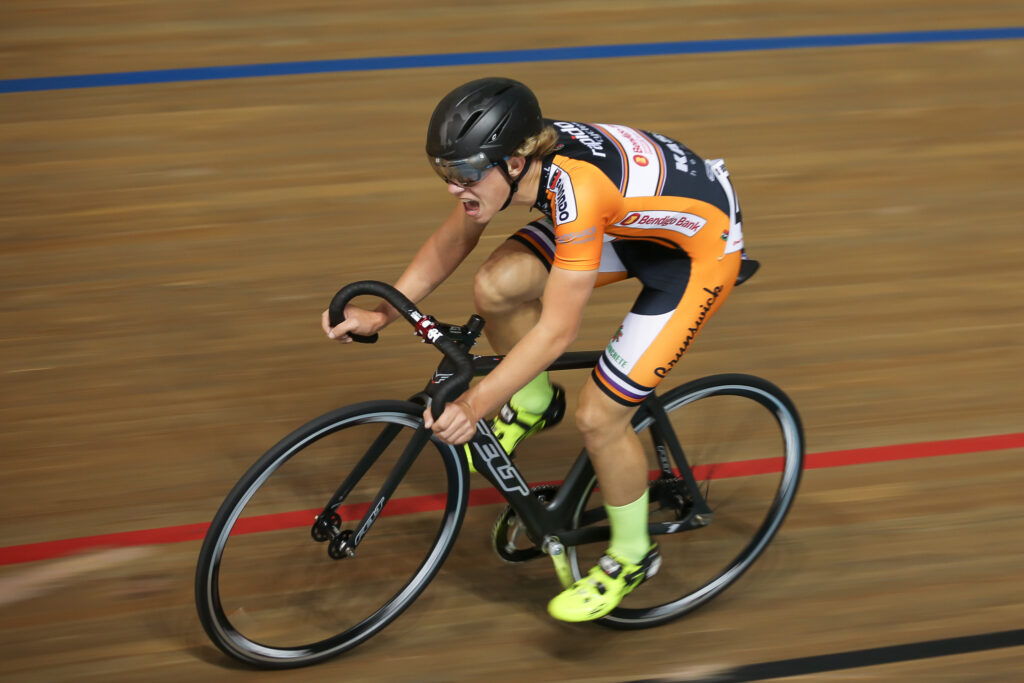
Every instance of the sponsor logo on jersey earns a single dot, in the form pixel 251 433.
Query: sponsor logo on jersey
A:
pixel 692 330
pixel 556 173
pixel 621 353
pixel 577 235
pixel 644 173
pixel 618 361
pixel 633 139
pixel 584 134
pixel 679 156
pixel 564 209
pixel 678 221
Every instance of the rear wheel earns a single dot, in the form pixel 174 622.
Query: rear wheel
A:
pixel 279 583
pixel 742 439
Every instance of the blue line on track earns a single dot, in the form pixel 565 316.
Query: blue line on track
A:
pixel 554 54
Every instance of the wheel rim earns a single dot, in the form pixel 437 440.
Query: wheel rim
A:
pixel 701 563
pixel 302 582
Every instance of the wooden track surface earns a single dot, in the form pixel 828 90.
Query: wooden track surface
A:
pixel 167 250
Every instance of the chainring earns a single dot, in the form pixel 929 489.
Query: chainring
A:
pixel 508 531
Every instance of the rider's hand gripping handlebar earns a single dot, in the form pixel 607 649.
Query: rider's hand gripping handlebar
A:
pixel 448 390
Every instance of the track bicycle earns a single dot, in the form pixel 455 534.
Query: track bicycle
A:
pixel 340 526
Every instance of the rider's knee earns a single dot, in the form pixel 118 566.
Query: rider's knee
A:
pixel 598 417
pixel 504 281
pixel 588 420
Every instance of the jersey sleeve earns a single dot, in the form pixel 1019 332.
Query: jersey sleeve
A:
pixel 583 203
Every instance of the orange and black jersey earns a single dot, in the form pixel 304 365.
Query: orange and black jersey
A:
pixel 629 203
pixel 611 182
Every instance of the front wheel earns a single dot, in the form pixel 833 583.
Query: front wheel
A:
pixel 742 439
pixel 279 583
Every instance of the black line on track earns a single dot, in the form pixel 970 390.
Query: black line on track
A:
pixel 855 659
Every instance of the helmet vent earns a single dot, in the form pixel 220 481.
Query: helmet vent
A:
pixel 488 116
pixel 500 128
pixel 470 122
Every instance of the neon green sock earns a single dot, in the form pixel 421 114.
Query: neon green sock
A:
pixel 630 539
pixel 535 396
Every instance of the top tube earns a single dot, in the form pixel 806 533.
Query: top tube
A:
pixel 571 360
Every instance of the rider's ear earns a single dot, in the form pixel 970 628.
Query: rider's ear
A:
pixel 516 165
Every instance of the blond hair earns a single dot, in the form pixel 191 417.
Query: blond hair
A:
pixel 539 145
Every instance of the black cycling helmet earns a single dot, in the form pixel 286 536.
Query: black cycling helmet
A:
pixel 479 125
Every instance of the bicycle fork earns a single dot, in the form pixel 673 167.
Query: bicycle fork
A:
pixel 327 526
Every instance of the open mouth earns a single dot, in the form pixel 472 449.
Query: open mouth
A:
pixel 471 207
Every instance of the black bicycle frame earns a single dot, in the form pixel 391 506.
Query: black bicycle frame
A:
pixel 556 518
pixel 541 520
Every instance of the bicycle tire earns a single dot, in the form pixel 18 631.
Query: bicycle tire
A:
pixel 289 603
pixel 749 491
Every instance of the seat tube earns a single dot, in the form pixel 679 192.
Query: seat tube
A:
pixel 667 443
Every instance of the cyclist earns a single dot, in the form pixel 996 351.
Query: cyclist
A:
pixel 616 202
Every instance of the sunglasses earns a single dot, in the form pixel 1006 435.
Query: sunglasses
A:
pixel 463 172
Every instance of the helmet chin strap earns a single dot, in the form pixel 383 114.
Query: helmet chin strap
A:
pixel 513 183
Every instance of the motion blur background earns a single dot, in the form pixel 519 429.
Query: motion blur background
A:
pixel 169 243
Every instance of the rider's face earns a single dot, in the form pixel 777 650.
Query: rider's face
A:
pixel 482 200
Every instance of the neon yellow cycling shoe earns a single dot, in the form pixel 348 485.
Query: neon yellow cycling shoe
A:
pixel 512 425
pixel 604 587
pixel 469 458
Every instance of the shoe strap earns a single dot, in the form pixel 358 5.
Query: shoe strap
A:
pixel 610 566
pixel 647 567
pixel 510 416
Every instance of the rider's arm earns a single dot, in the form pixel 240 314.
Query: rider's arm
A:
pixel 439 256
pixel 565 295
pixel 588 200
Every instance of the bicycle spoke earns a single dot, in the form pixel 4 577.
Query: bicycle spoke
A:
pixel 270 594
pixel 736 444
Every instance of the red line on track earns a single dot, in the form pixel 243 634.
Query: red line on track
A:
pixel 32 552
